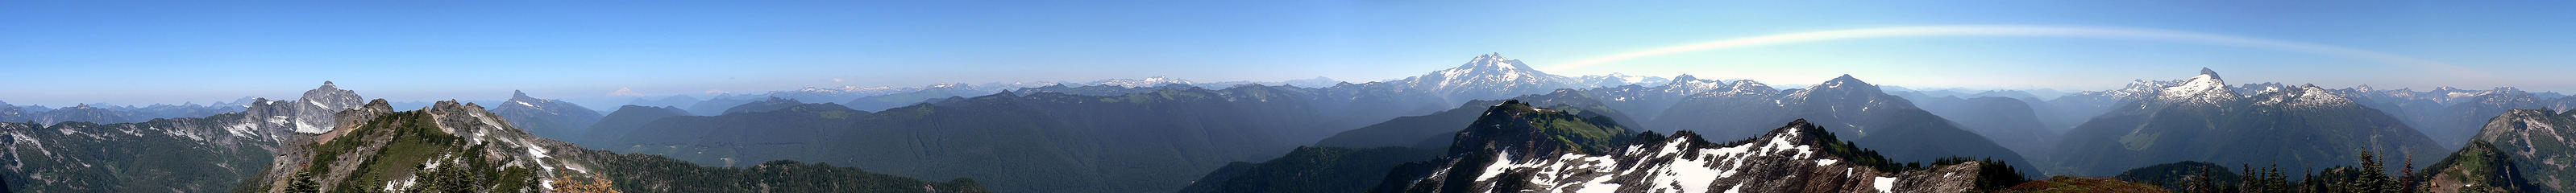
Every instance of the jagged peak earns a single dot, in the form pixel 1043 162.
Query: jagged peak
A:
pixel 2213 74
pixel 516 94
pixel 2203 88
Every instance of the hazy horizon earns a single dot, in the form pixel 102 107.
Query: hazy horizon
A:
pixel 136 54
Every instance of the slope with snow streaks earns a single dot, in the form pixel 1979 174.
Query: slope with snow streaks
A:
pixel 1794 158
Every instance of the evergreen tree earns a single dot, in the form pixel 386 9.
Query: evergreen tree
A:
pixel 303 183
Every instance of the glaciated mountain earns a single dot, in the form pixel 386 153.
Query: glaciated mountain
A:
pixel 2537 141
pixel 547 117
pixel 1515 147
pixel 1490 76
pixel 2204 119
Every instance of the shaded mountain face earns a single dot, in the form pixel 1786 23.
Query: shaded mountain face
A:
pixel 2009 122
pixel 1036 142
pixel 1513 149
pixel 1434 131
pixel 198 154
pixel 1311 169
pixel 2203 119
pixel 1871 118
pixel 625 120
pixel 2453 116
pixel 773 104
pixel 933 92
pixel 2479 167
pixel 206 154
pixel 2536 141
pixel 547 117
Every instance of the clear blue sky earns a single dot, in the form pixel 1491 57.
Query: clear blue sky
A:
pixel 63 52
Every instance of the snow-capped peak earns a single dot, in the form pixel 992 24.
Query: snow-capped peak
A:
pixel 2205 88
pixel 1488 76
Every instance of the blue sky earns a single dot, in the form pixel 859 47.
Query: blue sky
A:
pixel 63 52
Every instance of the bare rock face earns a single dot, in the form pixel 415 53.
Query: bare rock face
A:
pixel 315 113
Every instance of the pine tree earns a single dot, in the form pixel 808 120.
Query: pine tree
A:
pixel 303 183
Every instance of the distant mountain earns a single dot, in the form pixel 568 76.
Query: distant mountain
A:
pixel 773 104
pixel 2536 141
pixel 1041 141
pixel 1487 77
pixel 1868 115
pixel 206 154
pixel 1617 79
pixel 453 147
pixel 2452 116
pixel 669 101
pixel 1515 146
pixel 1435 131
pixel 1317 82
pixel 547 117
pixel 2011 122
pixel 13 113
pixel 198 154
pixel 83 113
pixel 2203 119
pixel 625 120
pixel 1147 82
pixel 933 92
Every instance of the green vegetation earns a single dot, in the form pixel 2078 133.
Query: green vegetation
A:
pixel 2186 176
pixel 410 143
pixel 1311 169
pixel 2082 185
pixel 654 173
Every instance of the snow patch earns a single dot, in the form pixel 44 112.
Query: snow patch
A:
pixel 1885 184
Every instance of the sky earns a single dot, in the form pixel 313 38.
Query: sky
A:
pixel 60 53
